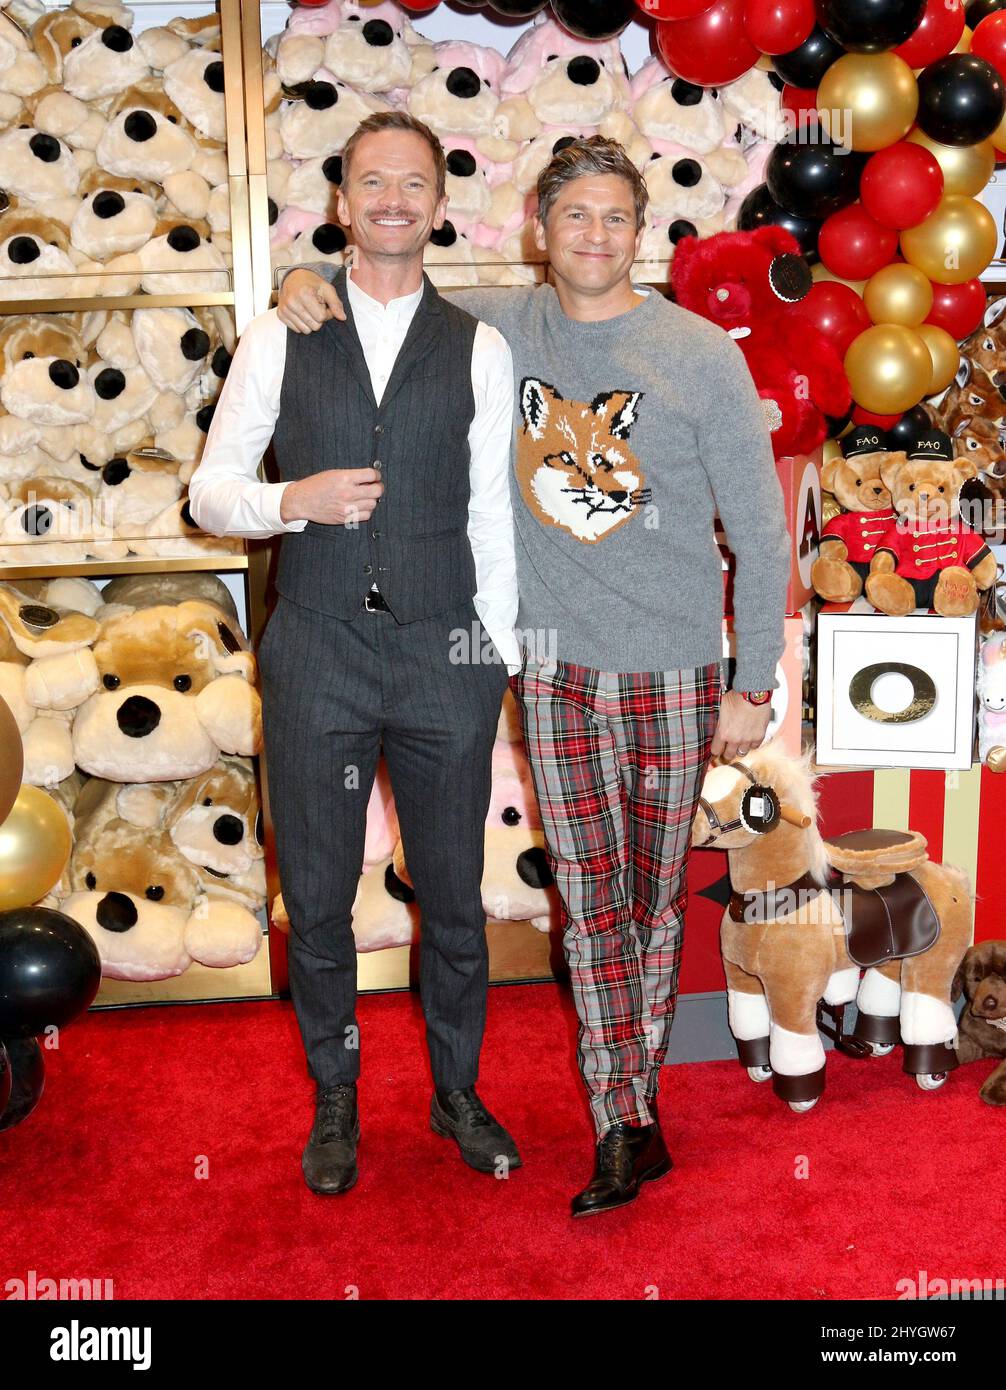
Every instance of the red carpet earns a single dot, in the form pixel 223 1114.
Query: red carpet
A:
pixel 101 1181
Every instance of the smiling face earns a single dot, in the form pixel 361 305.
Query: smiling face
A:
pixel 390 197
pixel 590 233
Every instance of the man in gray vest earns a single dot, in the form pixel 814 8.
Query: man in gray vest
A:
pixel 392 433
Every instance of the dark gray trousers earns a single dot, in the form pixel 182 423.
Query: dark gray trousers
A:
pixel 333 694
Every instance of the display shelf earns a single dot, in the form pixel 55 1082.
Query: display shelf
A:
pixel 215 564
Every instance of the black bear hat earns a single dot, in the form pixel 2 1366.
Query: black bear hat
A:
pixel 932 444
pixel 863 439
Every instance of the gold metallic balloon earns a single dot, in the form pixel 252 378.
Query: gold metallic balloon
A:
pixel 898 294
pixel 955 243
pixel 35 844
pixel 966 168
pixel 868 100
pixel 945 353
pixel 11 760
pixel 819 271
pixel 889 368
pixel 963 44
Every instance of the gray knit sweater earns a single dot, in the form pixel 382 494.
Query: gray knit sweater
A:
pixel 629 435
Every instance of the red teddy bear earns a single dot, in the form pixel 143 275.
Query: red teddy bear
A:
pixel 751 284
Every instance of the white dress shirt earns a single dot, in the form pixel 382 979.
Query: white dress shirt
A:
pixel 227 498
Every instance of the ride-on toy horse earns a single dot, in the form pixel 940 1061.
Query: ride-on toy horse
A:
pixel 806 914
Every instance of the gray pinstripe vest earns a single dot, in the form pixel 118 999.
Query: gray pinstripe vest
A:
pixel 415 546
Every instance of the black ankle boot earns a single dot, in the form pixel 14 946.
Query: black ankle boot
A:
pixel 329 1160
pixel 626 1156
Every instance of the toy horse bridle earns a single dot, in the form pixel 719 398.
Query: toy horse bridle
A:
pixel 760 809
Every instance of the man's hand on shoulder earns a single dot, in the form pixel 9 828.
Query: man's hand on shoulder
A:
pixel 306 301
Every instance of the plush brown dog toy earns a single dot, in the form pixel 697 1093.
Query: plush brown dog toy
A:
pixel 981 977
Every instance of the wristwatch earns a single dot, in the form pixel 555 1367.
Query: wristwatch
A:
pixel 757 697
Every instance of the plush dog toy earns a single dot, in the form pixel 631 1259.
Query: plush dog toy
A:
pixel 849 540
pixel 929 557
pixel 751 284
pixel 981 977
pixel 141 901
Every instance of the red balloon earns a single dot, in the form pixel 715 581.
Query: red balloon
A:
pixel 989 41
pixel 958 308
pixel 837 312
pixel 939 30
pixel 800 105
pixel 710 49
pixel 901 186
pixel 673 9
pixel 867 417
pixel 852 245
pixel 420 6
pixel 778 26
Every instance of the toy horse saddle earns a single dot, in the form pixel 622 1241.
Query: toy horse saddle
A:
pixel 887 912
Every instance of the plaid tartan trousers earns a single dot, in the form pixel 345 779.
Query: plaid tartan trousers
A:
pixel 618 762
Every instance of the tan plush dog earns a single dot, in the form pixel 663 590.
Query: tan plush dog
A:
pixel 929 558
pixel 137 896
pixel 215 822
pixel 849 540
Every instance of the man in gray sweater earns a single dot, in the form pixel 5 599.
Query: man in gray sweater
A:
pixel 635 422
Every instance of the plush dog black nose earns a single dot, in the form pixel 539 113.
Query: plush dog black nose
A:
pixel 686 172
pixel 63 374
pixel 685 93
pixel 461 164
pixel 138 716
pixel 328 239
pixel 140 126
pixel 228 830
pixel 116 38
pixel 462 82
pixel 332 168
pixel 35 521
pixel 680 228
pixel 45 148
pixel 532 868
pixel 214 77
pixel 108 203
pixel 183 238
pixel 989 1002
pixel 195 344
pixel 378 32
pixel 319 96
pixel 116 912
pixel 110 383
pixel 115 471
pixel 23 250
pixel 583 71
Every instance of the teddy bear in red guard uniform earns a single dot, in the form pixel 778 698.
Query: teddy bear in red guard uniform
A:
pixel 751 284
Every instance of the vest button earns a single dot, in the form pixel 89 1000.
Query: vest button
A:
pixel 376 464
pixel 378 429
pixel 368 569
pixel 375 535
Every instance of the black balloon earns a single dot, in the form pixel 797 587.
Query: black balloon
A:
pixel 962 99
pixel 904 432
pixel 979 10
pixel 836 423
pixel 760 209
pixel 27 1078
pixel 517 9
pixel 869 26
pixel 813 180
pixel 806 65
pixel 594 19
pixel 49 970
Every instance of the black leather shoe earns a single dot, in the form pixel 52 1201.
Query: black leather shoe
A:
pixel 461 1116
pixel 627 1155
pixel 329 1160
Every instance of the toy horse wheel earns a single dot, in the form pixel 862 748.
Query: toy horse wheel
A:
pixel 760 1074
pixel 880 1049
pixel 931 1081
pixel 799 1107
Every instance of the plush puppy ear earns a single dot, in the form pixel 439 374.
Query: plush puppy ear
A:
pixel 218 638
pixel 957 988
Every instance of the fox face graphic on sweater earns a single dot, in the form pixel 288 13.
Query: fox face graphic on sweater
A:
pixel 574 465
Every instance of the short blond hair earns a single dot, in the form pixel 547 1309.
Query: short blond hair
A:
pixel 592 154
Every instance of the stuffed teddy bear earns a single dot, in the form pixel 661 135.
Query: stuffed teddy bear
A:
pixel 849 540
pixel 164 686
pixel 991 687
pixel 928 558
pixel 981 977
pixel 751 283
pixel 141 901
